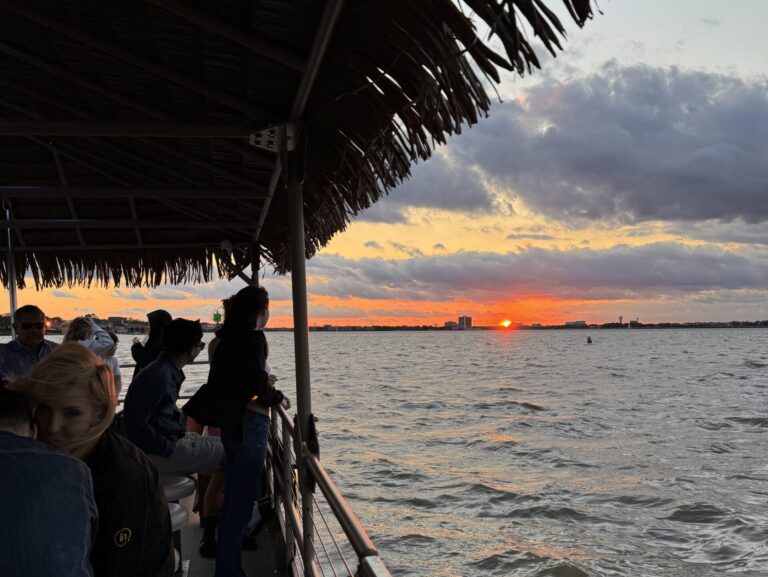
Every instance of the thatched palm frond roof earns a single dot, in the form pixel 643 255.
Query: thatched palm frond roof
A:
pixel 139 139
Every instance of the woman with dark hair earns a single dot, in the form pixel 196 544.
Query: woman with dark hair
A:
pixel 74 396
pixel 245 391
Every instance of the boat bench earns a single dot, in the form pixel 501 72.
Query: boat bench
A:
pixel 176 487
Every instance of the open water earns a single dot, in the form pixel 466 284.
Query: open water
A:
pixel 532 453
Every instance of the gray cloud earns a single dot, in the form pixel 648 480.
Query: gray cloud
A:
pixel 622 272
pixel 631 144
pixel 409 250
pixel 133 295
pixel 64 294
pixel 373 244
pixel 737 232
pixel 438 183
pixel 517 236
pixel 439 246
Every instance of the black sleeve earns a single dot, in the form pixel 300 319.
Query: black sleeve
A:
pixel 258 377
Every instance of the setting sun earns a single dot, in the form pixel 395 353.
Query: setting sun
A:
pixel 505 324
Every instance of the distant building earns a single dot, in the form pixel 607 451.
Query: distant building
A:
pixel 576 323
pixel 451 325
pixel 464 323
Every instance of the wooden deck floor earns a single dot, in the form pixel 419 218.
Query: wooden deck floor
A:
pixel 268 559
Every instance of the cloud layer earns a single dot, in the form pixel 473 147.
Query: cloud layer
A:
pixel 627 144
pixel 621 272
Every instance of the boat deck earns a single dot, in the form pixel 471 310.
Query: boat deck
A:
pixel 268 559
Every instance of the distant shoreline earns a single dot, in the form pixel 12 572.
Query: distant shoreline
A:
pixel 607 326
pixel 384 328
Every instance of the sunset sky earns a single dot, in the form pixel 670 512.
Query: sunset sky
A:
pixel 628 177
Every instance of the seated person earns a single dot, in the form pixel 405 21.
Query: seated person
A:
pixel 145 353
pixel 47 508
pixel 152 419
pixel 30 344
pixel 75 405
pixel 89 334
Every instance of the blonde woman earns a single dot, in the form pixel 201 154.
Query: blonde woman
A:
pixel 74 395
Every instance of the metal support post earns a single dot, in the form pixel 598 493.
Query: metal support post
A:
pixel 295 161
pixel 10 268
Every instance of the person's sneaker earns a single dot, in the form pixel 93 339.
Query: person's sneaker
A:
pixel 207 547
pixel 250 542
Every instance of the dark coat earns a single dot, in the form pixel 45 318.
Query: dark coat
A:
pixel 236 377
pixel 134 532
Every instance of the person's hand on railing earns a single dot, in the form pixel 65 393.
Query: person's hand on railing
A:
pixel 285 403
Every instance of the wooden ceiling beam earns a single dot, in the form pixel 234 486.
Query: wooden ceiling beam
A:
pixel 59 223
pixel 45 127
pixel 237 35
pixel 127 192
pixel 159 70
pixel 259 156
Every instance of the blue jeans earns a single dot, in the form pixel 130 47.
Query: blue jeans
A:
pixel 245 462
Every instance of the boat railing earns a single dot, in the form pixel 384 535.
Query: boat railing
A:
pixel 339 545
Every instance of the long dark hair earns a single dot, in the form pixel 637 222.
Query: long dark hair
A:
pixel 246 306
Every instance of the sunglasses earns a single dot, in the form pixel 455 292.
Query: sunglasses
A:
pixel 27 326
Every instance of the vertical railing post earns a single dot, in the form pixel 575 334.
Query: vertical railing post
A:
pixel 10 269
pixel 294 157
pixel 285 461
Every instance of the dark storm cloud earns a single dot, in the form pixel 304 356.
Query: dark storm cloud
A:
pixel 737 232
pixel 621 272
pixel 437 183
pixel 631 144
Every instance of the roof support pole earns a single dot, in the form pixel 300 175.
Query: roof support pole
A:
pixel 295 161
pixel 10 268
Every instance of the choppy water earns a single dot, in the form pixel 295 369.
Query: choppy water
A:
pixel 534 454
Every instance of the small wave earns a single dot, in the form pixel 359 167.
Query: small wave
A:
pixel 507 403
pixel 755 421
pixel 559 513
pixel 562 570
pixel 754 364
pixel 506 563
pixel 416 539
pixel 699 513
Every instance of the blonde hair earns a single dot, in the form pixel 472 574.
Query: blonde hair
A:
pixel 72 366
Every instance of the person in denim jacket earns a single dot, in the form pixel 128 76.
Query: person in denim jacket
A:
pixel 47 509
pixel 30 345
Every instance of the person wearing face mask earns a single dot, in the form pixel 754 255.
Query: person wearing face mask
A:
pixel 30 345
pixel 74 397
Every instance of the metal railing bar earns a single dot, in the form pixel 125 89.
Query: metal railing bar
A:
pixel 333 539
pixel 347 519
pixel 335 542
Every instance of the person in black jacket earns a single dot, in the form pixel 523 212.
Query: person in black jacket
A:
pixel 75 403
pixel 145 353
pixel 244 391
